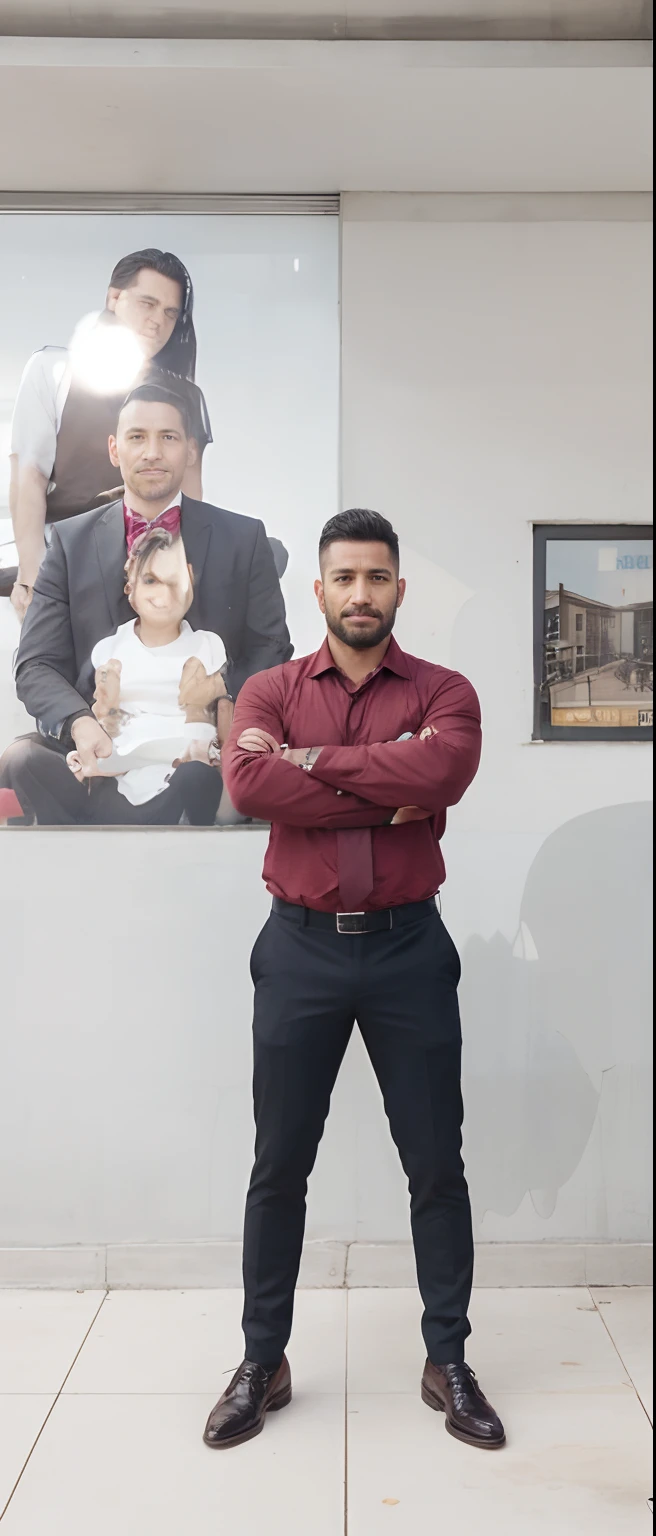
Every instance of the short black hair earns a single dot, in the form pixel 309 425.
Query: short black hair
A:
pixel 359 525
pixel 158 394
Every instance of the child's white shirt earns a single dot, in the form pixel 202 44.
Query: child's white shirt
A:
pixel 157 732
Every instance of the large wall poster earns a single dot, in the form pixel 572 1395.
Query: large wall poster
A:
pixel 223 334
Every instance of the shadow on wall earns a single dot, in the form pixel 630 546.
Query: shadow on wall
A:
pixel 547 1018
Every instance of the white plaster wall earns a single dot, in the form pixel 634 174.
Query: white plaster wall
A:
pixel 493 373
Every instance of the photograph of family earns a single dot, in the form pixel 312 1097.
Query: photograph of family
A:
pixel 154 513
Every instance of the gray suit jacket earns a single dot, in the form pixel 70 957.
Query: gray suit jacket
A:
pixel 79 599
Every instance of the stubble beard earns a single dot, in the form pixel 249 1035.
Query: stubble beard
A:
pixel 148 490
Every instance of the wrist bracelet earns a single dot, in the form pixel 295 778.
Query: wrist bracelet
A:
pixel 225 698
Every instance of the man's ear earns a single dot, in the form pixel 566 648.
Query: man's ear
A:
pixel 113 453
pixel 113 295
pixel 401 591
pixel 192 452
pixel 320 596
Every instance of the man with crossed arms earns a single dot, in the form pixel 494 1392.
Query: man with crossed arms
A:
pixel 354 755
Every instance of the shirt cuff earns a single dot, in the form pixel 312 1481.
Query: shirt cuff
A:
pixel 63 731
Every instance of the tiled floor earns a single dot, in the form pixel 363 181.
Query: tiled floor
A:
pixel 103 1400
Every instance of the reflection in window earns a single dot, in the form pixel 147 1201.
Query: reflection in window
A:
pixel 595 665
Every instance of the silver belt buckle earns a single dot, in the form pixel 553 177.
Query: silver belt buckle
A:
pixel 343 919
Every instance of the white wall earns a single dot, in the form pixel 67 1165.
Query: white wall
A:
pixel 497 374
pixel 493 373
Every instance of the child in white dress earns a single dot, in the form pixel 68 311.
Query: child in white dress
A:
pixel 157 680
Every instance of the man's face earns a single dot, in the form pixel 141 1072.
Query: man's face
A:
pixel 150 308
pixel 359 592
pixel 163 593
pixel 151 449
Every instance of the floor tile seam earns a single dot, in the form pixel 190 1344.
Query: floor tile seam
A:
pixel 613 1389
pixel 300 1394
pixel 53 1405
pixel 616 1390
pixel 649 1416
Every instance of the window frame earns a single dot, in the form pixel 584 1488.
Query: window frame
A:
pixel 543 533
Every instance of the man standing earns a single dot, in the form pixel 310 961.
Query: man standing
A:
pixel 355 754
pixel 79 598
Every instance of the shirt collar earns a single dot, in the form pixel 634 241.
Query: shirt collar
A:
pixel 176 502
pixel 394 660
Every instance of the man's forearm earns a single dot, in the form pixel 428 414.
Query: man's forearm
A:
pixel 47 696
pixel 27 504
pixel 431 774
pixel 272 790
pixel 46 667
pixel 432 769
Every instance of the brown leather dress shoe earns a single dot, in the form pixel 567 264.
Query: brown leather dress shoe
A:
pixel 253 1392
pixel 454 1390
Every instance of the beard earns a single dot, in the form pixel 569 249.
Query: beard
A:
pixel 151 489
pixel 361 639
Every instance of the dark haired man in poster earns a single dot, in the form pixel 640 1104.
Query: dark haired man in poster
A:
pixel 68 401
pixel 80 599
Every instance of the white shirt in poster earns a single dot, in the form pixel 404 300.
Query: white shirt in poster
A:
pixel 156 732
pixel 39 407
pixel 100 357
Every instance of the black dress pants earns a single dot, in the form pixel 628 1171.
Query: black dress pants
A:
pixel 38 774
pixel 400 985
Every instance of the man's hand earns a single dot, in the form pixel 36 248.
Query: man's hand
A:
pixel 21 597
pixel 107 697
pixel 414 812
pixel 198 691
pixel 91 743
pixel 255 740
pixel 410 813
pixel 197 752
pixel 73 761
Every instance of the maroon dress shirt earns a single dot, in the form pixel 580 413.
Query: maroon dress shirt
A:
pixel 363 775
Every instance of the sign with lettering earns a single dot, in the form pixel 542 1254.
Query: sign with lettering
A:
pixel 625 715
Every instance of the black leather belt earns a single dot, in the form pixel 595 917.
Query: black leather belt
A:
pixel 354 922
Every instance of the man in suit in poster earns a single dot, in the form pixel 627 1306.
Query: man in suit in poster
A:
pixel 79 598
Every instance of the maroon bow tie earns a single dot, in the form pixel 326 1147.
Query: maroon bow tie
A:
pixel 135 526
